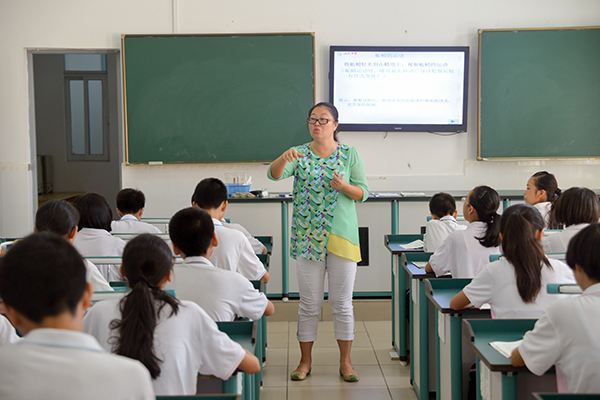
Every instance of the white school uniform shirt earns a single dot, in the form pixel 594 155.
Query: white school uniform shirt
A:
pixel 544 208
pixel 130 224
pixel 188 343
pixel 235 253
pixel 461 254
pixel 437 230
pixel 99 242
pixel 95 278
pixel 567 336
pixel 256 244
pixel 8 334
pixel 496 285
pixel 58 364
pixel 222 294
pixel 559 241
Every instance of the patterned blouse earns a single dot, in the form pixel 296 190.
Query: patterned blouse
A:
pixel 323 219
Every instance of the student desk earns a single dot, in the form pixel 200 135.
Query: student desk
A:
pixel 394 243
pixel 495 374
pixel 565 396
pixel 222 396
pixel 244 333
pixel 421 373
pixel 453 360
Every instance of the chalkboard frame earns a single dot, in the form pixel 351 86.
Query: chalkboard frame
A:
pixel 216 35
pixel 482 157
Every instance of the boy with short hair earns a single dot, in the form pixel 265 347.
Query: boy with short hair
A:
pixel 235 251
pixel 45 293
pixel 130 207
pixel 62 218
pixel 223 294
pixel 443 221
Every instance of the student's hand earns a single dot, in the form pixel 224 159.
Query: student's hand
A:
pixel 291 155
pixel 337 182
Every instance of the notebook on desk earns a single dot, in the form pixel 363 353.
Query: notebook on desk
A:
pixel 505 348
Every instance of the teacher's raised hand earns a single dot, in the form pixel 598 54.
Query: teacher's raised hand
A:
pixel 288 156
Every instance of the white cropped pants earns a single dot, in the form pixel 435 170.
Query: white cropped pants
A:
pixel 341 274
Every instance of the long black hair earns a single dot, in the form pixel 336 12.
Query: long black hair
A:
pixel 544 180
pixel 332 110
pixel 486 201
pixel 147 260
pixel 518 225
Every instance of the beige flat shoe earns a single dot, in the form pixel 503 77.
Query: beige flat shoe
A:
pixel 299 375
pixel 351 377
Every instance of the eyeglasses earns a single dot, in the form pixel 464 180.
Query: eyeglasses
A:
pixel 321 121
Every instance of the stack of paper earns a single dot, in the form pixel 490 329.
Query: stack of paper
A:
pixel 505 348
pixel 415 244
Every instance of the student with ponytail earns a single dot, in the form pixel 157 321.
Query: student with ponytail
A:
pixel 542 191
pixel 515 285
pixel 465 252
pixel 574 210
pixel 174 339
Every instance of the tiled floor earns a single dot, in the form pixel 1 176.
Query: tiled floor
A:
pixel 380 376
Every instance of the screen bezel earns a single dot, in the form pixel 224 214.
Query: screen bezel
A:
pixel 458 128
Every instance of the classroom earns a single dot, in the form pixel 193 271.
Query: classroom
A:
pixel 36 164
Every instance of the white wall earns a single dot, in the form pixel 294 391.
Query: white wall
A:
pixel 403 161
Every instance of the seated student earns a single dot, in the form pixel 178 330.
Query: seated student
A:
pixel 43 285
pixel 234 252
pixel 575 209
pixel 61 218
pixel 174 339
pixel 465 252
pixel 94 238
pixel 443 221
pixel 515 285
pixel 542 191
pixel 221 293
pixel 8 334
pixel 566 335
pixel 130 207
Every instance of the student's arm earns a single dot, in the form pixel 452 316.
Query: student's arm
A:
pixel 441 261
pixel 477 293
pixel 249 265
pixel 459 301
pixel 270 310
pixel 249 364
pixel 266 277
pixel 542 347
pixel 516 359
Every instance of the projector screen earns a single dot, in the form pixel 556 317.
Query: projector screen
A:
pixel 416 89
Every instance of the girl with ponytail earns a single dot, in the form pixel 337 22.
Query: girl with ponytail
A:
pixel 515 285
pixel 175 340
pixel 464 253
pixel 542 191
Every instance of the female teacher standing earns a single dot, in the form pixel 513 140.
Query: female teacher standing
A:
pixel 328 179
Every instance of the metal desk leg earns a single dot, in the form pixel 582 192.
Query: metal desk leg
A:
pixel 285 251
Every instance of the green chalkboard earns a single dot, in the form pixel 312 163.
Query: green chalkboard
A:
pixel 539 93
pixel 216 98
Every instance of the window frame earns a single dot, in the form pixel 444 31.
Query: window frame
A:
pixel 87 76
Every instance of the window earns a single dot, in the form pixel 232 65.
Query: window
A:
pixel 86 108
